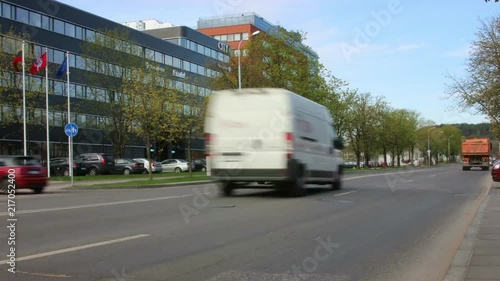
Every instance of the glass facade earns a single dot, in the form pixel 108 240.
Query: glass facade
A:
pixel 177 61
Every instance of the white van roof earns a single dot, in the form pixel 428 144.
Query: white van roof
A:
pixel 287 97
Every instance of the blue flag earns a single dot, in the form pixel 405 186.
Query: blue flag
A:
pixel 62 69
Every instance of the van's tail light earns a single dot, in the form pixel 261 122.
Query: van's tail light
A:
pixel 103 162
pixel 208 142
pixel 136 164
pixel 75 165
pixel 289 145
pixel 154 164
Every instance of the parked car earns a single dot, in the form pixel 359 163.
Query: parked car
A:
pixel 26 171
pixel 96 163
pixel 128 166
pixel 156 166
pixel 350 165
pixel 495 171
pixel 200 165
pixel 175 165
pixel 59 167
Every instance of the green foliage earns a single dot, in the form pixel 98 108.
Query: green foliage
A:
pixel 154 107
pixel 109 56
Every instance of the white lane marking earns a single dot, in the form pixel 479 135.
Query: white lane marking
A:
pixel 73 249
pixel 432 176
pixel 96 205
pixel 384 174
pixel 407 181
pixel 345 193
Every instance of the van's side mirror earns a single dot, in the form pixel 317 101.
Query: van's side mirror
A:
pixel 338 144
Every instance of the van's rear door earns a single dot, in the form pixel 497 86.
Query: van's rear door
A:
pixel 248 130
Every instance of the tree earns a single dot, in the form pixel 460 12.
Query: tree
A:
pixel 276 60
pixel 11 100
pixel 192 118
pixel 153 105
pixel 108 54
pixel 480 88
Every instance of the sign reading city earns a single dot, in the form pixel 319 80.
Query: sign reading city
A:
pixel 71 129
pixel 179 74
pixel 223 47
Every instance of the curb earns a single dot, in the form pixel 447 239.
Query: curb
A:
pixel 460 263
pixel 156 185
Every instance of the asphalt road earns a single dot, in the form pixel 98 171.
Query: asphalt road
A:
pixel 380 226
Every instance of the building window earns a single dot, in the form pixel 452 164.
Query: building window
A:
pixel 168 60
pixel 79 33
pixel 6 11
pixel 223 38
pixel 22 15
pixel 69 29
pixel 47 23
pixel 35 19
pixel 237 37
pixel 177 63
pixel 187 66
pixel 230 38
pixel 58 26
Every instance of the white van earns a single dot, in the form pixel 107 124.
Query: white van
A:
pixel 270 136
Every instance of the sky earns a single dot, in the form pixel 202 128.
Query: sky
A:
pixel 400 49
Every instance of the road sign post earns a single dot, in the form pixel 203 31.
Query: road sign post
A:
pixel 71 129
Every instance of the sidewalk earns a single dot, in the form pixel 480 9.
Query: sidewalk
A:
pixel 58 185
pixel 479 255
pixel 485 261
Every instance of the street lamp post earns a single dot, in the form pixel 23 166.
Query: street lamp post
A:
pixel 239 57
pixel 449 147
pixel 429 145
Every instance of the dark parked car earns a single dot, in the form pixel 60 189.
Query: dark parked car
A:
pixel 200 165
pixel 495 171
pixel 22 172
pixel 129 166
pixel 96 163
pixel 59 167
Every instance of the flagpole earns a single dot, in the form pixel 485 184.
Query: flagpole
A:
pixel 47 111
pixel 24 104
pixel 70 139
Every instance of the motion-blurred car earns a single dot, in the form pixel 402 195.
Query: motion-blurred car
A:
pixel 175 165
pixel 156 167
pixel 22 172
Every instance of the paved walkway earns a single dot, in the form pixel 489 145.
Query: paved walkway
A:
pixel 478 258
pixel 485 261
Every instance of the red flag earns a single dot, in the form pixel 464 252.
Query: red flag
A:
pixel 17 62
pixel 39 64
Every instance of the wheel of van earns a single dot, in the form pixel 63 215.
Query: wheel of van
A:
pixel 178 170
pixel 226 188
pixel 126 172
pixel 203 169
pixel 337 182
pixel 297 184
pixel 66 173
pixel 93 172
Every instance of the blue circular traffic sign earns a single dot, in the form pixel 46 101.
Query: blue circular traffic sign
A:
pixel 71 129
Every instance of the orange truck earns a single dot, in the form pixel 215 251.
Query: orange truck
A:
pixel 476 153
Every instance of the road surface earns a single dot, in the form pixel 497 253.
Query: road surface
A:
pixel 380 226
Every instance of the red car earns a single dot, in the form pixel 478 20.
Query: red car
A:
pixel 495 171
pixel 23 172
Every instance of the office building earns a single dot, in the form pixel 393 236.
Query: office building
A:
pixel 62 28
pixel 237 27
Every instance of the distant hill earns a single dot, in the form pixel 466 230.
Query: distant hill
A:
pixel 475 130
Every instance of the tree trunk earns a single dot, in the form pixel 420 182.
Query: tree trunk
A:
pixel 385 156
pixel 148 155
pixel 190 161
